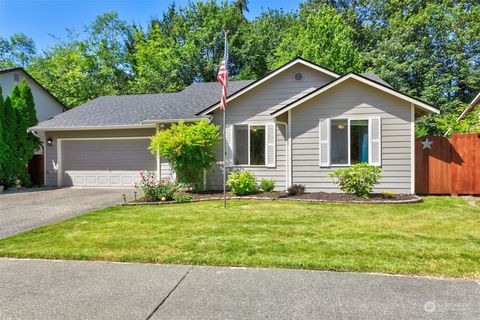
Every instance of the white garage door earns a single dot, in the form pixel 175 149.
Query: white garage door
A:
pixel 105 163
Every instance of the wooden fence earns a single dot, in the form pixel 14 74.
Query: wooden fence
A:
pixel 35 170
pixel 449 166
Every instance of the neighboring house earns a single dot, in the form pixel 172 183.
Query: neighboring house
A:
pixel 46 107
pixel 295 125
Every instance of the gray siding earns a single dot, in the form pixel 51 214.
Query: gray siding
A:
pixel 255 107
pixel 51 161
pixel 352 99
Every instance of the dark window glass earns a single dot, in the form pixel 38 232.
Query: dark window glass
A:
pixel 241 144
pixel 257 145
pixel 358 141
pixel 339 141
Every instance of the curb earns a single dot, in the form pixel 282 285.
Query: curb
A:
pixel 416 199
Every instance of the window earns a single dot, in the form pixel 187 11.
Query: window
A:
pixel 249 145
pixel 348 141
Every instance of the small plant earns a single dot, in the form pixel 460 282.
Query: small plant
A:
pixel 267 185
pixel 181 198
pixel 389 194
pixel 296 190
pixel 358 179
pixel 242 183
pixel 154 190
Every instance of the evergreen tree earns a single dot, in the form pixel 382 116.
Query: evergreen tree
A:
pixel 27 143
pixel 3 150
pixel 10 170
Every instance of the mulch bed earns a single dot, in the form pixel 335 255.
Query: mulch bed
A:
pixel 376 198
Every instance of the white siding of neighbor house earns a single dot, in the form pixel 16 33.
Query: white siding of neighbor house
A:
pixel 255 107
pixel 45 105
pixel 51 161
pixel 352 99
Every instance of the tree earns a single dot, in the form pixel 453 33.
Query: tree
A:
pixel 10 170
pixel 189 148
pixel 16 51
pixel 321 36
pixel 260 38
pixel 77 70
pixel 430 49
pixel 3 148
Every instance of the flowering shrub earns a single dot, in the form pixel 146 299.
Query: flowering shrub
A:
pixel 242 183
pixel 154 190
pixel 358 179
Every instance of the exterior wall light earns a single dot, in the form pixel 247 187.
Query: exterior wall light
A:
pixel 49 142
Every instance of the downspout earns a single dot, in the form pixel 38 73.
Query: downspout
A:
pixel 159 164
pixel 287 162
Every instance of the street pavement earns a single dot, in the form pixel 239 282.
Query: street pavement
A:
pixel 44 289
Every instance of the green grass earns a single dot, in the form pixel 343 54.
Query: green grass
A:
pixel 438 237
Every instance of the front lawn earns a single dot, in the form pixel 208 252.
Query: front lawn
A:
pixel 438 237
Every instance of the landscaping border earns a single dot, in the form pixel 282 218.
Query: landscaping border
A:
pixel 416 199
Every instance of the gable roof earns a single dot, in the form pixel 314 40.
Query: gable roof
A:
pixel 363 79
pixel 138 110
pixel 475 101
pixel 17 69
pixel 295 61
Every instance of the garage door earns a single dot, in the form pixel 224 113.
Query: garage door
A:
pixel 105 163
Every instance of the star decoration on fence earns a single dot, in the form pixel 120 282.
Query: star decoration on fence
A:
pixel 427 144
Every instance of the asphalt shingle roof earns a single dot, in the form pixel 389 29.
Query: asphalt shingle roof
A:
pixel 134 109
pixel 374 77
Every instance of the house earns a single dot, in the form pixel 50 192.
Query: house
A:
pixel 294 125
pixel 46 106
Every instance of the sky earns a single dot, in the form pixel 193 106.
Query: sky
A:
pixel 39 19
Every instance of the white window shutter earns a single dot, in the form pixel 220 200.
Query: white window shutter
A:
pixel 270 144
pixel 375 141
pixel 228 145
pixel 324 144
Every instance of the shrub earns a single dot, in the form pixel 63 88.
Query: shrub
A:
pixel 154 190
pixel 358 179
pixel 242 183
pixel 296 190
pixel 189 149
pixel 267 185
pixel 180 197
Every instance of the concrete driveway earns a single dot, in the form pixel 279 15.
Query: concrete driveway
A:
pixel 43 289
pixel 21 211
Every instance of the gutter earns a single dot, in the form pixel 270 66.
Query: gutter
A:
pixel 154 121
pixel 130 126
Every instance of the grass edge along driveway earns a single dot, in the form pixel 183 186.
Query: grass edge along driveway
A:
pixel 439 237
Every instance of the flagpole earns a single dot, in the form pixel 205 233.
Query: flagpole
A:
pixel 224 138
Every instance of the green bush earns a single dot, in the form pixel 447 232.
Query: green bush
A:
pixel 296 190
pixel 358 179
pixel 189 149
pixel 180 197
pixel 154 190
pixel 242 183
pixel 267 185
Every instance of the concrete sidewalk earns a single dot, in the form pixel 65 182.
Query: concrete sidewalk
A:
pixel 43 289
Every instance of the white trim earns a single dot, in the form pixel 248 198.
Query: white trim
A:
pixel 250 124
pixel 271 75
pixel 363 80
pixel 412 147
pixel 130 126
pixel 159 164
pixel 289 150
pixel 349 150
pixel 59 151
pixel 286 149
pixel 173 120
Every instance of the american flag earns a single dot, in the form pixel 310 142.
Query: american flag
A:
pixel 223 76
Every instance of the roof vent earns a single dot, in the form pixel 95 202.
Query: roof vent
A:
pixel 298 77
